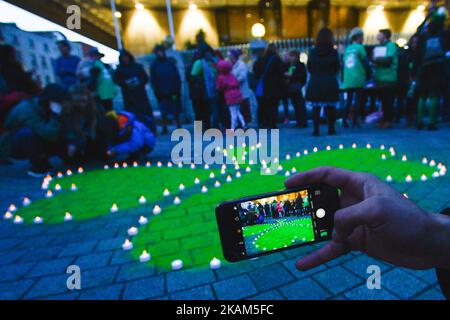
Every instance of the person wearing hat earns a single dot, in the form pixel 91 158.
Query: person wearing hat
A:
pixel 66 66
pixel 32 129
pixel 101 82
pixel 355 75
pixel 131 77
pixel 430 65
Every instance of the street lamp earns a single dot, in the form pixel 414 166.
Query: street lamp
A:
pixel 258 30
pixel 139 6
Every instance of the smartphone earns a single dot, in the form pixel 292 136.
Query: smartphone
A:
pixel 258 225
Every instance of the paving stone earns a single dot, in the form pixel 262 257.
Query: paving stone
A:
pixel 359 265
pixel 144 288
pixel 234 288
pixel 14 271
pixel 305 289
pixel 94 260
pixel 7 257
pixel 184 279
pixel 112 292
pixel 290 265
pixel 9 244
pixel 78 248
pixel 431 294
pixel 337 279
pixel 199 293
pixel 41 254
pixel 363 293
pixel 268 295
pixel 429 276
pixel 98 277
pixel 110 244
pixel 51 285
pixel 48 267
pixel 132 271
pixel 270 277
pixel 403 284
pixel 14 290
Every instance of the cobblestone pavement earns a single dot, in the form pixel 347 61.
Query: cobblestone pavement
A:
pixel 33 259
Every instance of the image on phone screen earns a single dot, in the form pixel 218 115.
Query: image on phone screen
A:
pixel 259 225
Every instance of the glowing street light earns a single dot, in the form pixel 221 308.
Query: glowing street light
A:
pixel 118 14
pixel 139 6
pixel 193 6
pixel 258 30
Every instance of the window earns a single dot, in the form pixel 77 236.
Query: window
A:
pixel 44 63
pixel 31 43
pixel 46 48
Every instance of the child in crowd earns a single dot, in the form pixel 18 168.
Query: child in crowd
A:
pixel 133 139
pixel 228 84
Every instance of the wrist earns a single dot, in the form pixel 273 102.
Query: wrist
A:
pixel 440 246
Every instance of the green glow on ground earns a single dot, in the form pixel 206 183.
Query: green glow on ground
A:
pixel 188 231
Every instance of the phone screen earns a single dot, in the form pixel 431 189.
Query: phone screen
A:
pixel 261 224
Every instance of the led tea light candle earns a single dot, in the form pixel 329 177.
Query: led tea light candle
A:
pixel 142 220
pixel 287 174
pixel 176 201
pixel 423 177
pixel 132 231
pixel 38 220
pixel 288 157
pixel 148 164
pixel 127 245
pixel 135 164
pixel 177 264
pixel 114 208
pixel 69 172
pixel 248 169
pixel 142 200
pixel 408 178
pixel 238 174
pixel 192 166
pixel 196 180
pixel 315 149
pixel 166 193
pixel 389 178
pixel 73 187
pixel 57 187
pixel 145 256
pixel 280 168
pixel 44 185
pixel 49 194
pixel 229 179
pixel 368 146
pixel 18 220
pixel 432 163
pixel 404 158
pixel 8 215
pixel 59 175
pixel 156 210
pixel 116 165
pixel 328 148
pixel 236 167
pixel 383 156
pixel 125 165
pixel 80 170
pixel 180 165
pixel 204 189
pixel 217 184
pixel 68 217
pixel 206 166
pixel 214 264
pixel 341 146
pixel 382 147
pixel 293 170
pixel 26 201
pixel 169 164
pixel 106 167
pixel 305 152
pixel 159 164
pixel 424 160
pixel 211 175
pixel 435 174
pixel 181 187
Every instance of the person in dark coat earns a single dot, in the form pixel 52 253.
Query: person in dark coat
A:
pixel 296 79
pixel 132 78
pixel 269 74
pixel 166 84
pixel 323 86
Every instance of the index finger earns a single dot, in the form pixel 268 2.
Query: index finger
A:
pixel 335 177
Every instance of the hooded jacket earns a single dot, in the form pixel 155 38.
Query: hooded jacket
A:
pixel 135 134
pixel 228 84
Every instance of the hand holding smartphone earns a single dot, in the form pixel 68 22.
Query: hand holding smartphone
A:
pixel 267 223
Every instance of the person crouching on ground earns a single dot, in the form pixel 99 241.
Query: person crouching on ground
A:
pixel 32 130
pixel 228 84
pixel 133 139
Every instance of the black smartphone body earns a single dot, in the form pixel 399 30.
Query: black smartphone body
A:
pixel 258 225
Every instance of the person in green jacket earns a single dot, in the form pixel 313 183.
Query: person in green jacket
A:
pixel 386 60
pixel 105 88
pixel 356 73
pixel 32 129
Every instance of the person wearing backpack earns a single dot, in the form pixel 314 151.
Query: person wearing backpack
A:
pixel 429 65
pixel 269 74
pixel 356 72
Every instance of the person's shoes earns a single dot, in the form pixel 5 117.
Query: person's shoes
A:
pixel 419 126
pixel 432 127
pixel 332 132
pixel 301 126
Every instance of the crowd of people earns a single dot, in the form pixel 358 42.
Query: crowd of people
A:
pixel 258 212
pixel 76 118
